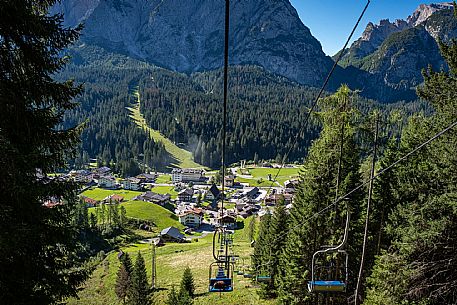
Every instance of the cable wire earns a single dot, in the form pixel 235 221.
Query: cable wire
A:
pixel 392 165
pixel 316 100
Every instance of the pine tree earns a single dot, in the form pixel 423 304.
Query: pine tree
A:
pixel 184 298
pixel 38 259
pixel 262 251
pixel 318 190
pixel 251 228
pixel 187 282
pixel 127 262
pixel 421 227
pixel 139 288
pixel 122 283
pixel 278 228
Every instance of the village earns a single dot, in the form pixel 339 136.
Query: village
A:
pixel 193 196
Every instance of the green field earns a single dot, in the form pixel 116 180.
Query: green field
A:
pixel 183 158
pixel 262 173
pixel 163 179
pixel 165 190
pixel 171 261
pixel 100 194
pixel 160 216
pixel 255 182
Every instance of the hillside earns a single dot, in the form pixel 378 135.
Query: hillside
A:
pixel 171 261
pixel 396 52
pixel 266 112
pixel 181 157
pixel 171 34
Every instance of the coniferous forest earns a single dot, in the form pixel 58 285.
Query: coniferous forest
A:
pixel 410 249
pixel 374 208
pixel 265 115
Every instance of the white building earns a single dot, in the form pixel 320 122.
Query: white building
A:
pixel 133 184
pixel 191 218
pixel 107 182
pixel 186 175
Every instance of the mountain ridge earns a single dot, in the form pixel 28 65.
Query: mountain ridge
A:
pixel 188 37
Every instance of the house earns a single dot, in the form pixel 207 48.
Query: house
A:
pixel 240 204
pixel 114 198
pixel 160 199
pixel 146 178
pixel 273 199
pixel 103 171
pixel 133 184
pixel 228 220
pixel 107 182
pixel 89 201
pixel 172 234
pixel 251 209
pixel 213 193
pixel 229 180
pixel 251 194
pixel 192 218
pixel 179 175
pixel 291 184
pixel 52 202
pixel 186 195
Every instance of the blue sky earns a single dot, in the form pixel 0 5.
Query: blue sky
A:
pixel 331 21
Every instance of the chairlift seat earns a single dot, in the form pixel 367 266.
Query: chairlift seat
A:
pixel 326 286
pixel 220 284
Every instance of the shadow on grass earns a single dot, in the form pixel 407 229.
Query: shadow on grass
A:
pixel 202 294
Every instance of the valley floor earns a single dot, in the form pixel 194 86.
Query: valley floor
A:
pixel 171 261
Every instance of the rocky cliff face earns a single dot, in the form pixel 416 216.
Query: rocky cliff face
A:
pixel 187 36
pixel 395 53
pixel 424 11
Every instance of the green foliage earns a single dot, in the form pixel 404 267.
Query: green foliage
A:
pixel 421 227
pixel 187 282
pixel 252 228
pixel 268 249
pixel 122 283
pixel 184 110
pixel 38 260
pixel 139 289
pixel 173 297
pixel 318 190
pixel 179 298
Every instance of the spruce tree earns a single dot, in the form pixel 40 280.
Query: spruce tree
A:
pixel 184 298
pixel 278 235
pixel 261 255
pixel 38 259
pixel 139 288
pixel 127 262
pixel 187 282
pixel 122 283
pixel 419 266
pixel 317 191
pixel 251 228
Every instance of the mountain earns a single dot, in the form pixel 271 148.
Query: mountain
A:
pixel 396 52
pixel 187 36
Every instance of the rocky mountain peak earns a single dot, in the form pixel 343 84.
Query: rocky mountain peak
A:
pixel 375 34
pixel 424 11
pixel 187 36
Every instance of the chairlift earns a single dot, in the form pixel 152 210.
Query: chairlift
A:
pixel 330 281
pixel 222 282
